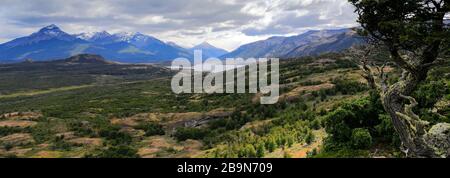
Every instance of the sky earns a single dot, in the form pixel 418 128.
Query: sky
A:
pixel 223 23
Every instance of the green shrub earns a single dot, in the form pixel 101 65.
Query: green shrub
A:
pixel 260 150
pixel 336 124
pixel 4 131
pixel 151 129
pixel 385 130
pixel 114 136
pixel 309 138
pixel 182 133
pixel 361 138
pixel 121 151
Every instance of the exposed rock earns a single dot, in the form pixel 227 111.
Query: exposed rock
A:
pixel 439 138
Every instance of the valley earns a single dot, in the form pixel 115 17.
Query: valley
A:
pixel 128 110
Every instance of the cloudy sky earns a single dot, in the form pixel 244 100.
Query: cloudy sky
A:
pixel 223 23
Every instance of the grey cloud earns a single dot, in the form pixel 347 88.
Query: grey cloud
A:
pixel 183 17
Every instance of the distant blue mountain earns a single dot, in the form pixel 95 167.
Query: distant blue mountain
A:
pixel 51 43
pixel 209 50
pixel 312 42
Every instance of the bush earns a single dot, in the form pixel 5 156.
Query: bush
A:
pixel 309 138
pixel 385 130
pixel 315 124
pixel 121 151
pixel 358 124
pixel 361 138
pixel 247 151
pixel 361 113
pixel 311 153
pixel 270 144
pixel 260 150
pixel 113 135
pixel 336 124
pixel 348 86
pixel 4 131
pixel 182 134
pixel 152 129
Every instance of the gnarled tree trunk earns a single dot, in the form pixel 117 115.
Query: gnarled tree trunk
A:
pixel 415 34
pixel 410 131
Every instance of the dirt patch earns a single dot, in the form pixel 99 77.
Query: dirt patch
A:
pixel 21 116
pixel 303 149
pixel 126 122
pixel 86 141
pixel 194 119
pixel 136 133
pixel 155 145
pixel 66 135
pixel 256 124
pixel 135 120
pixel 16 151
pixel 158 142
pixel 148 152
pixel 173 120
pixel 17 139
pixel 13 123
pixel 192 145
pixel 301 90
pixel 48 154
pixel 164 146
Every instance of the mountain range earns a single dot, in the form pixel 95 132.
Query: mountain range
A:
pixel 51 43
pixel 312 42
pixel 209 50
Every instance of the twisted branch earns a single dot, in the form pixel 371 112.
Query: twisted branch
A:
pixel 417 125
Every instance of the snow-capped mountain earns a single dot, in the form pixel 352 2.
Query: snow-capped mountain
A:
pixel 138 39
pixel 209 50
pixel 93 36
pixel 46 33
pixel 312 42
pixel 52 43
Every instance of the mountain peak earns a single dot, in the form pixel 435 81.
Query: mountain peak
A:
pixel 92 36
pixel 51 27
pixel 103 32
pixel 209 50
pixel 128 36
pixel 204 45
pixel 51 30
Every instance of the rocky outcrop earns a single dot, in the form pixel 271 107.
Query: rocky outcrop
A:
pixel 438 137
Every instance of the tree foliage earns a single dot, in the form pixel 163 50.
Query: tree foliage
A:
pixel 417 38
